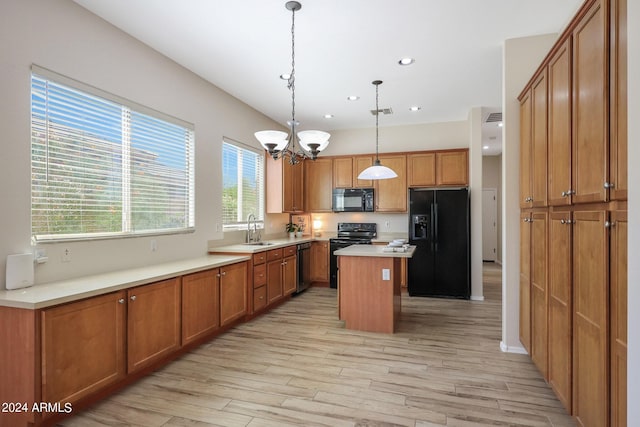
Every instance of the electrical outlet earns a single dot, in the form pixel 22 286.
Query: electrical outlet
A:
pixel 154 245
pixel 218 227
pixel 66 255
pixel 387 224
pixel 386 274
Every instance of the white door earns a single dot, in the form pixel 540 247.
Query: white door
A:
pixel 489 224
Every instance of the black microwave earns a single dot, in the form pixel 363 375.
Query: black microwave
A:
pixel 353 200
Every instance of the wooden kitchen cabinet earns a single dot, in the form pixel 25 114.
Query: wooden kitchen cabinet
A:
pixel 526 197
pixel 525 280
pixel 285 192
pixel 289 273
pixel 200 305
pixel 274 275
pixel 539 292
pixel 538 184
pixel 559 165
pixel 233 292
pixel 619 243
pixel 319 185
pixel 343 172
pixel 83 347
pixel 590 105
pixel 452 168
pixel 560 306
pixel 320 261
pixel 391 194
pixel 421 169
pixel 618 105
pixel 153 322
pixel 360 163
pixel 591 318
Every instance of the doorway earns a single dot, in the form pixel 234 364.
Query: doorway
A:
pixel 489 224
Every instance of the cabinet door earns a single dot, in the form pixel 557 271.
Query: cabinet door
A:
pixel 343 172
pixel 525 280
pixel 559 180
pixel 560 306
pixel 83 347
pixel 539 293
pixel 274 280
pixel 233 292
pixel 318 185
pixel 320 261
pixel 619 318
pixel 360 163
pixel 200 305
pixel 421 170
pixel 292 186
pixel 539 141
pixel 153 326
pixel 525 151
pixel 618 134
pixel 452 168
pixel 391 194
pixel 289 274
pixel 590 319
pixel 590 101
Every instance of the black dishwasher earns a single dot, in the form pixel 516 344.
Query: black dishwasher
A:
pixel 304 267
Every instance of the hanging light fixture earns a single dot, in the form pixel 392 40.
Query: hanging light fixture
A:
pixel 280 144
pixel 377 171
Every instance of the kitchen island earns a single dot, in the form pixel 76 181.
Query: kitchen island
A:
pixel 369 286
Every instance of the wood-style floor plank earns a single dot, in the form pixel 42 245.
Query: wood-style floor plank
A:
pixel 297 365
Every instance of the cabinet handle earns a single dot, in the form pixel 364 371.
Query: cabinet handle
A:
pixel 218 275
pixel 121 301
pixel 566 221
pixel 528 199
pixel 568 193
pixel 608 185
pixel 261 297
pixel 609 224
pixel 133 297
pixel 224 273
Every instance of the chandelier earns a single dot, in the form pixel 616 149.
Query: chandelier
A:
pixel 377 171
pixel 280 144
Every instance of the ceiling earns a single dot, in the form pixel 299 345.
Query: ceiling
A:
pixel 341 47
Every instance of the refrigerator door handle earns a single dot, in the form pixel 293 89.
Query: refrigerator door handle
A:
pixel 435 227
pixel 432 237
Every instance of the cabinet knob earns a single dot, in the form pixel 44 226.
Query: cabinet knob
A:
pixel 608 185
pixel 568 193
pixel 133 297
pixel 224 273
pixel 121 301
pixel 609 224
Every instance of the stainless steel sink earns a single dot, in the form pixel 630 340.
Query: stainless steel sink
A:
pixel 258 244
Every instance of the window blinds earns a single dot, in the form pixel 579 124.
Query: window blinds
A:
pixel 243 184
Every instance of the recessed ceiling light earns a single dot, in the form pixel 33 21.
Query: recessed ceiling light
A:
pixel 353 98
pixel 285 76
pixel 415 108
pixel 406 61
pixel 485 147
pixel 328 116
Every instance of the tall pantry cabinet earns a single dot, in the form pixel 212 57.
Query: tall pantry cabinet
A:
pixel 573 187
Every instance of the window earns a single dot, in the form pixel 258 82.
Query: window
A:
pixel 102 167
pixel 242 184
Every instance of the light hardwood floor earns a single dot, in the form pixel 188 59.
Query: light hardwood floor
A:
pixel 297 366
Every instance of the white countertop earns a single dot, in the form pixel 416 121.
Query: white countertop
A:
pixel 374 251
pixel 268 244
pixel 48 294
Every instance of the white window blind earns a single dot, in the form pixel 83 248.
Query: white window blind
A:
pixel 243 184
pixel 101 168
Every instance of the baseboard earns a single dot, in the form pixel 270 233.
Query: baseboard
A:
pixel 513 349
pixel 477 298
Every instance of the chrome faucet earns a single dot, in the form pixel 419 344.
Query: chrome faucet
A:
pixel 252 235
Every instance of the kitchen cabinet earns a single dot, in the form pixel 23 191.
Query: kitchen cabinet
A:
pixel 233 292
pixel 281 273
pixel 153 322
pixel 83 347
pixel 391 194
pixel 526 197
pixel 525 280
pixel 421 169
pixel 618 104
pixel 590 318
pixel 452 168
pixel 559 179
pixel 319 185
pixel 259 281
pixel 200 305
pixel 343 172
pixel 618 274
pixel 285 192
pixel 560 306
pixel 360 163
pixel 289 271
pixel 320 261
pixel 590 105
pixel 539 292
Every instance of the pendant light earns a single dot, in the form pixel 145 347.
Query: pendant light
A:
pixel 280 144
pixel 377 171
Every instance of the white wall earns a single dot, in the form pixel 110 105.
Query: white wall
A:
pixel 64 37
pixel 521 57
pixel 633 356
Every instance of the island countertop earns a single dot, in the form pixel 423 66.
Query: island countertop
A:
pixel 375 251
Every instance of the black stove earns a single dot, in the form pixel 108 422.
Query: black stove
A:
pixel 349 233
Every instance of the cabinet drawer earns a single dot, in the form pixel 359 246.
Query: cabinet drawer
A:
pixel 259 275
pixel 259 258
pixel 259 298
pixel 290 250
pixel 274 254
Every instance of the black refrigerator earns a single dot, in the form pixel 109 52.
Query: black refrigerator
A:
pixel 439 228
